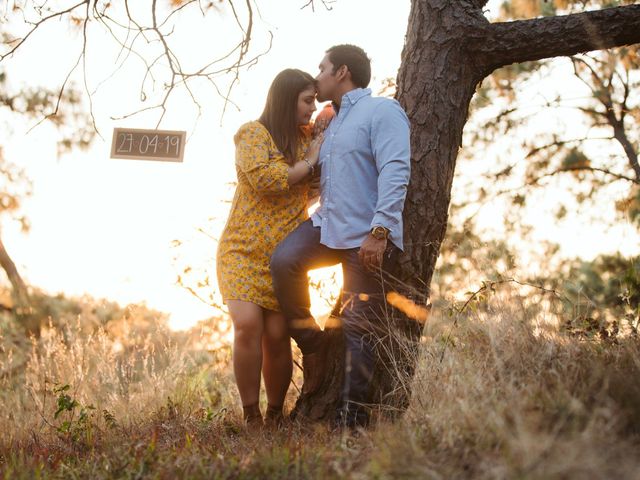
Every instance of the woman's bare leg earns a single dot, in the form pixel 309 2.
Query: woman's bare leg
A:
pixel 277 364
pixel 248 327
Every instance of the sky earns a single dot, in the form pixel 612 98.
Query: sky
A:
pixel 124 229
pixel 107 227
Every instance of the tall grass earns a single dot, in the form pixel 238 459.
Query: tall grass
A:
pixel 502 390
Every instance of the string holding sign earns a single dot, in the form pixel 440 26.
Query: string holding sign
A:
pixel 140 144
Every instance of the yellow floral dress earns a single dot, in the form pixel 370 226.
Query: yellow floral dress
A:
pixel 265 209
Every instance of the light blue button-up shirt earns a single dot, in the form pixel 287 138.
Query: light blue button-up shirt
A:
pixel 365 168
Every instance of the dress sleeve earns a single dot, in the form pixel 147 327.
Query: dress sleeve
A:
pixel 266 170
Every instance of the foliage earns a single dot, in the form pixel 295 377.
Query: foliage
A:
pixel 501 391
pixel 597 295
pixel 577 134
pixel 600 295
pixel 15 187
pixel 72 123
pixel 73 127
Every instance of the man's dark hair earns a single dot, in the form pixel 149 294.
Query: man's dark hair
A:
pixel 356 61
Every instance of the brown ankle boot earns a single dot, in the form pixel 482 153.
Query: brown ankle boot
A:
pixel 274 417
pixel 252 416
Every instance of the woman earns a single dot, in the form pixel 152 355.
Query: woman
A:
pixel 275 159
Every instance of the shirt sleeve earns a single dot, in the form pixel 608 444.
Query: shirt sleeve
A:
pixel 266 171
pixel 390 145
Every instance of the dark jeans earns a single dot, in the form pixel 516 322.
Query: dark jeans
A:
pixel 363 301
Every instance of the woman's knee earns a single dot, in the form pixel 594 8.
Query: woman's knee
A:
pixel 277 337
pixel 247 336
pixel 276 331
pixel 248 323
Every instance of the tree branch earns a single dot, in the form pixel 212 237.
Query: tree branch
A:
pixel 151 45
pixel 39 24
pixel 525 40
pixel 561 143
pixel 617 176
pixel 621 136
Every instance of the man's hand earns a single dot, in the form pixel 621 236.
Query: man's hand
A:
pixel 371 252
pixel 319 126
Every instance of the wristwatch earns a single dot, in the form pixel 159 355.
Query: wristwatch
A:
pixel 379 232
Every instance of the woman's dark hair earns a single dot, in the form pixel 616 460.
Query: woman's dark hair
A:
pixel 356 61
pixel 281 110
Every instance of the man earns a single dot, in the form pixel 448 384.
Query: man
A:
pixel 365 167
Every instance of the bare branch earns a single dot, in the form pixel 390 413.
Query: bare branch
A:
pixel 60 92
pixel 594 76
pixel 181 78
pixel 39 24
pixel 173 12
pixel 560 143
pixel 170 59
pixel 535 182
pixel 159 59
pixel 615 175
pixel 84 71
pixel 603 93
pixel 625 97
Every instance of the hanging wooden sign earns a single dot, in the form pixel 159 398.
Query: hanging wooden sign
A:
pixel 140 144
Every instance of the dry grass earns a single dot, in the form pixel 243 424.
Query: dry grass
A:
pixel 515 396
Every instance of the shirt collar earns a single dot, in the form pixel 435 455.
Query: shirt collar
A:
pixel 352 97
pixel 356 94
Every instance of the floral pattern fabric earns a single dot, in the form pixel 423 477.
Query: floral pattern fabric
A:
pixel 265 209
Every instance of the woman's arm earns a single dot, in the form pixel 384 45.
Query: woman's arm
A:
pixel 305 167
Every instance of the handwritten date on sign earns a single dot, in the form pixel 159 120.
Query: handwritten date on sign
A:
pixel 138 144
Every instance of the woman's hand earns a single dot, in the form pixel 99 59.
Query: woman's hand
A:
pixel 313 152
pixel 305 167
pixel 323 119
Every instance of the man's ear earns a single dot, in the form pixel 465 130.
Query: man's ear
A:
pixel 343 73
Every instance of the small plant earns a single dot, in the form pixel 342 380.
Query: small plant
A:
pixel 75 416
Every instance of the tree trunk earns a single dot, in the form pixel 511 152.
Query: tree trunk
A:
pixel 450 48
pixel 322 404
pixel 20 293
pixel 436 81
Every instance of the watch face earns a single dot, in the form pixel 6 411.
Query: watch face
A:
pixel 379 232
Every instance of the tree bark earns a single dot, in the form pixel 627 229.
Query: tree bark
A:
pixel 449 48
pixel 436 81
pixel 322 404
pixel 503 43
pixel 20 293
